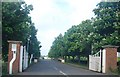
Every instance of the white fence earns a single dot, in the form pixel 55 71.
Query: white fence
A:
pixel 95 62
pixel 118 54
pixel 25 59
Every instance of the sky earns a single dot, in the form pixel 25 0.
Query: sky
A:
pixel 52 17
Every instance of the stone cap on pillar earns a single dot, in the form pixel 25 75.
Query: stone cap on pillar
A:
pixel 110 46
pixel 14 42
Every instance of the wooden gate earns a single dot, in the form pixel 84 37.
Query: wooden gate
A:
pixel 95 62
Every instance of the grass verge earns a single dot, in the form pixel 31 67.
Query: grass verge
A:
pixel 83 66
pixel 4 68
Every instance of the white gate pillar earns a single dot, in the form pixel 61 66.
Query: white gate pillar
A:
pixel 21 59
pixel 25 61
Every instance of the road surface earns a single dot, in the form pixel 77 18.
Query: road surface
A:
pixel 51 67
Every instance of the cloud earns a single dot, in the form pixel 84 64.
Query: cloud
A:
pixel 46 38
pixel 52 17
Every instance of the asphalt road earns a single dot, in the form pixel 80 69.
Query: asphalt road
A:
pixel 51 67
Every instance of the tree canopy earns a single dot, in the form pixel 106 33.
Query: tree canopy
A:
pixel 87 37
pixel 17 25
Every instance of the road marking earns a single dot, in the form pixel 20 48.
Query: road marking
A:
pixel 63 73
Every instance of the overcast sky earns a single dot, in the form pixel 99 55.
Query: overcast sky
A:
pixel 52 17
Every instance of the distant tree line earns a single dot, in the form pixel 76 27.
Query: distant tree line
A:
pixel 17 26
pixel 87 37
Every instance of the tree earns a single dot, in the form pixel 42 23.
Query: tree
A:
pixel 90 35
pixel 57 47
pixel 75 42
pixel 15 24
pixel 34 45
pixel 107 23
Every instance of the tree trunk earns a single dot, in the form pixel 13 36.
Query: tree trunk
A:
pixel 65 58
pixel 78 58
pixel 68 57
pixel 73 57
pixel 88 61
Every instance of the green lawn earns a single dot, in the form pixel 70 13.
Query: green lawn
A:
pixel 4 68
pixel 118 59
pixel 78 65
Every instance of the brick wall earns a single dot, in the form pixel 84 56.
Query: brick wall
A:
pixel 16 63
pixel 111 59
pixel 10 56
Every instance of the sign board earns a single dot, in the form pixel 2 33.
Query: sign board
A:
pixel 14 47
